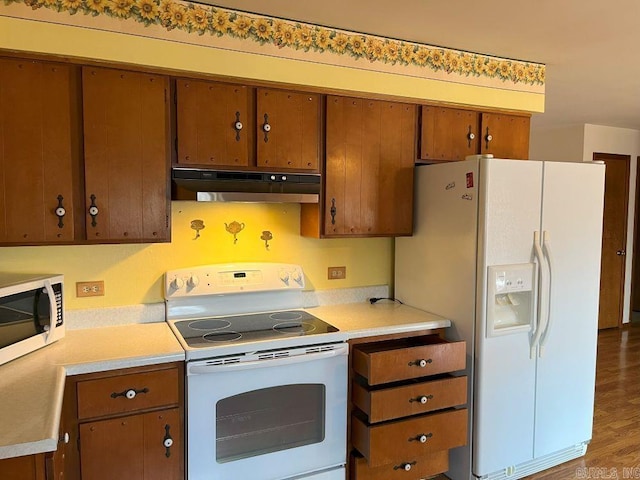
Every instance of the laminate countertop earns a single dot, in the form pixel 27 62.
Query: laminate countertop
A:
pixel 33 386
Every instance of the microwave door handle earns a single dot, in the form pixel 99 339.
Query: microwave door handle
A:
pixel 53 310
pixel 203 369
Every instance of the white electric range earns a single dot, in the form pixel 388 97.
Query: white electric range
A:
pixel 266 380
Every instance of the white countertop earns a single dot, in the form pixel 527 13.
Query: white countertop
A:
pixel 32 386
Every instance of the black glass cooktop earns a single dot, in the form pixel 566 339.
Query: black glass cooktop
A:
pixel 209 332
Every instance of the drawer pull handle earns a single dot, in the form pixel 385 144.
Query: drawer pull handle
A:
pixel 129 393
pixel 405 466
pixel 422 438
pixel 422 399
pixel 421 362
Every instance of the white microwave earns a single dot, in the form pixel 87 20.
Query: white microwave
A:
pixel 31 313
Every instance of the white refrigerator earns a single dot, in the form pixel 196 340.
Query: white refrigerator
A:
pixel 509 250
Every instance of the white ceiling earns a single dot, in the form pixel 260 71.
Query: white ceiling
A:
pixel 589 46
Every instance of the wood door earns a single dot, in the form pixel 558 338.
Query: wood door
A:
pixel 40 154
pixel 28 467
pixel 127 155
pixel 448 133
pixel 113 448
pixel 288 130
pixel 160 462
pixel 614 238
pixel 369 167
pixel 215 123
pixel 504 136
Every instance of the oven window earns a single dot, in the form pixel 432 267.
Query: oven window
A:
pixel 269 420
pixel 17 319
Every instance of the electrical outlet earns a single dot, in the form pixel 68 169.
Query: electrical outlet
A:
pixel 337 273
pixel 90 289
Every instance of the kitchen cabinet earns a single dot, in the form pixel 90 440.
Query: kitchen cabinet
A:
pixel 129 424
pixel 288 130
pixel 407 410
pixel 215 124
pixel 450 134
pixel 504 135
pixel 28 467
pixel 126 156
pixel 368 175
pixel 40 153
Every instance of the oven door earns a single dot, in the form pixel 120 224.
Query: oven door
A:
pixel 267 419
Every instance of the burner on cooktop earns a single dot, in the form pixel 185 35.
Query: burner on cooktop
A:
pixel 284 316
pixel 294 327
pixel 209 324
pixel 222 336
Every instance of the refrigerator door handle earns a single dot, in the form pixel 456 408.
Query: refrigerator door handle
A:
pixel 537 249
pixel 546 249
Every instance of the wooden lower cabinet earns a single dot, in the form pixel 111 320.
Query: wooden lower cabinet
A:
pixel 127 423
pixel 28 467
pixel 133 447
pixel 407 410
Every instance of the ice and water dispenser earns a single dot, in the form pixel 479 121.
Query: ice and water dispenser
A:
pixel 510 298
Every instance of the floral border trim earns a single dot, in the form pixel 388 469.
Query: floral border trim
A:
pixel 214 21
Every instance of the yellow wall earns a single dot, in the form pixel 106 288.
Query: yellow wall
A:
pixel 133 273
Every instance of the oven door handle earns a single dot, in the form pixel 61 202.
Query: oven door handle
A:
pixel 203 369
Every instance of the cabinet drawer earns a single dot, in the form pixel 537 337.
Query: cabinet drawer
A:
pixel 405 400
pixel 417 469
pixel 393 360
pixel 412 437
pixel 107 396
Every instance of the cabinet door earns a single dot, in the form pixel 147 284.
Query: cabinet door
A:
pixel 126 125
pixel 288 129
pixel 133 447
pixel 448 133
pixel 505 136
pixel 369 167
pixel 215 123
pixel 39 151
pixel 28 467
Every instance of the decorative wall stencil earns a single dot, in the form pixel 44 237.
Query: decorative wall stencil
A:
pixel 222 28
pixel 197 225
pixel 266 236
pixel 234 228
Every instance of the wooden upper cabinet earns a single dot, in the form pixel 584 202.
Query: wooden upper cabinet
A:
pixel 40 152
pixel 369 167
pixel 288 130
pixel 505 136
pixel 127 155
pixel 215 124
pixel 448 133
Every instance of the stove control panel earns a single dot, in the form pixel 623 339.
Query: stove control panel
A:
pixel 227 278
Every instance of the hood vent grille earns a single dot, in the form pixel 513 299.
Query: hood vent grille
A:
pixel 241 186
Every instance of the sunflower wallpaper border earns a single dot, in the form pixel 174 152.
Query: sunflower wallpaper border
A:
pixel 224 28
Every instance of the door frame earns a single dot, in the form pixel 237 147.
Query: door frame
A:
pixel 635 249
pixel 601 156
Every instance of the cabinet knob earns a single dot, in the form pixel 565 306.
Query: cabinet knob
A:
pixel 405 466
pixel 266 128
pixel 129 393
pixel 238 126
pixel 167 441
pixel 487 138
pixel 421 362
pixel 470 137
pixel 333 211
pixel 422 437
pixel 93 210
pixel 60 211
pixel 423 399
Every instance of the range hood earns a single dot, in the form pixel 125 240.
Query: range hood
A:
pixel 207 185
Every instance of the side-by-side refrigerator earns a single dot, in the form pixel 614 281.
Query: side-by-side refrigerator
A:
pixel 509 250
